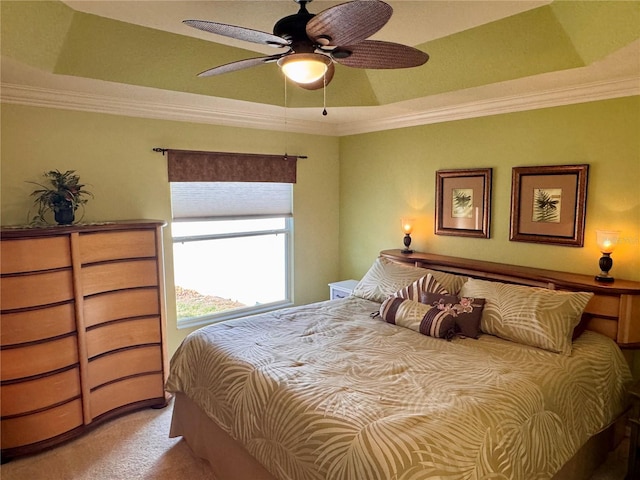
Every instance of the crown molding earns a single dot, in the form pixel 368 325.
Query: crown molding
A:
pixel 556 97
pixel 128 104
pixel 177 106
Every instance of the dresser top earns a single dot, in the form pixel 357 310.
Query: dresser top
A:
pixel 24 231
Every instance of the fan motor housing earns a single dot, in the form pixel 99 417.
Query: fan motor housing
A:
pixel 294 29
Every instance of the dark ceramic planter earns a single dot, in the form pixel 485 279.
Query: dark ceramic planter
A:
pixel 64 216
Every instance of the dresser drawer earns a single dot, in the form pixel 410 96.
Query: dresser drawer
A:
pixel 40 393
pixel 122 304
pixel 123 364
pixel 127 391
pixel 118 276
pixel 32 325
pixel 20 362
pixel 33 254
pixel 113 336
pixel 99 247
pixel 51 287
pixel 40 426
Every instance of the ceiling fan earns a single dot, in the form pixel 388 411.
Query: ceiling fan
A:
pixel 314 42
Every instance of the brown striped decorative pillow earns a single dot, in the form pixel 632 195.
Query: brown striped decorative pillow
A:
pixel 415 291
pixel 417 316
pixel 451 282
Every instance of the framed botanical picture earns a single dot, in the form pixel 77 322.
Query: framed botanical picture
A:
pixel 463 202
pixel 548 204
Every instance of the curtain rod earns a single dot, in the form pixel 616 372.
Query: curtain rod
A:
pixel 165 150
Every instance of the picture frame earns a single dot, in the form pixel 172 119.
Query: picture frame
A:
pixel 463 202
pixel 548 204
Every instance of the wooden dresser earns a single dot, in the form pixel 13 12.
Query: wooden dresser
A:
pixel 82 329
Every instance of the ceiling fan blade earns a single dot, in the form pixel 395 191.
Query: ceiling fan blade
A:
pixel 318 84
pixel 240 65
pixel 378 54
pixel 239 33
pixel 349 23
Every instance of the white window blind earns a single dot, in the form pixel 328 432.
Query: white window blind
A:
pixel 202 200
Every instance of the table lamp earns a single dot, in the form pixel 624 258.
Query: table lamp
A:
pixel 607 241
pixel 407 228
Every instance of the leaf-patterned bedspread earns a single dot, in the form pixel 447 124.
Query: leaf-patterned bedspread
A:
pixel 323 392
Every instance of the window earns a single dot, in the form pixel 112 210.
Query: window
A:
pixel 231 267
pixel 232 249
pixel 232 233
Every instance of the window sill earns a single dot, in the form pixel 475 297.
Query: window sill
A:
pixel 230 315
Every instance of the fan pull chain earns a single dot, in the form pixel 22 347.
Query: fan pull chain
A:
pixel 324 94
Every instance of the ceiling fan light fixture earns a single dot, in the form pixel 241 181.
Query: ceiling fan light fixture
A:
pixel 304 67
pixel 316 42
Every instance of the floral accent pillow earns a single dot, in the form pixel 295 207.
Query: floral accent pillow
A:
pixel 466 311
pixel 427 320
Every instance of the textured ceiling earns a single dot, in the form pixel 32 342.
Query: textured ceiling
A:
pixel 472 44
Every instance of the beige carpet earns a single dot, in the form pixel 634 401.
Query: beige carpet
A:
pixel 136 447
pixel 132 447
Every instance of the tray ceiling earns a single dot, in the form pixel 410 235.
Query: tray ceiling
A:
pixel 481 51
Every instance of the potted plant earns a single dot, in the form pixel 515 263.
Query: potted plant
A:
pixel 62 196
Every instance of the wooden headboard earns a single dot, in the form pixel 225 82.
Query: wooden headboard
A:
pixel 613 311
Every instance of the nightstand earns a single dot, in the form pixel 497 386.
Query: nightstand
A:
pixel 634 444
pixel 341 289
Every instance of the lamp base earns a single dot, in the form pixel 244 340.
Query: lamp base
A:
pixel 407 241
pixel 605 265
pixel 604 279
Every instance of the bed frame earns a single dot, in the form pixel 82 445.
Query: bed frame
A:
pixel 613 311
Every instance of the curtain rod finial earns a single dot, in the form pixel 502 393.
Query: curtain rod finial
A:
pixel 294 157
pixel 160 150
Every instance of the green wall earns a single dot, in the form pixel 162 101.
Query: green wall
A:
pixel 387 175
pixel 352 191
pixel 113 155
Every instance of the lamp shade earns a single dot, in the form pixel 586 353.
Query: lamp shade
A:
pixel 407 225
pixel 304 67
pixel 607 240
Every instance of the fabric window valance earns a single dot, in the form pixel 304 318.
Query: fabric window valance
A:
pixel 195 166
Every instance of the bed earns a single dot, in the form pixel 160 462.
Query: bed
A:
pixel 356 389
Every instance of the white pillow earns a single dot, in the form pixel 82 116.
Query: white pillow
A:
pixel 385 278
pixel 529 315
